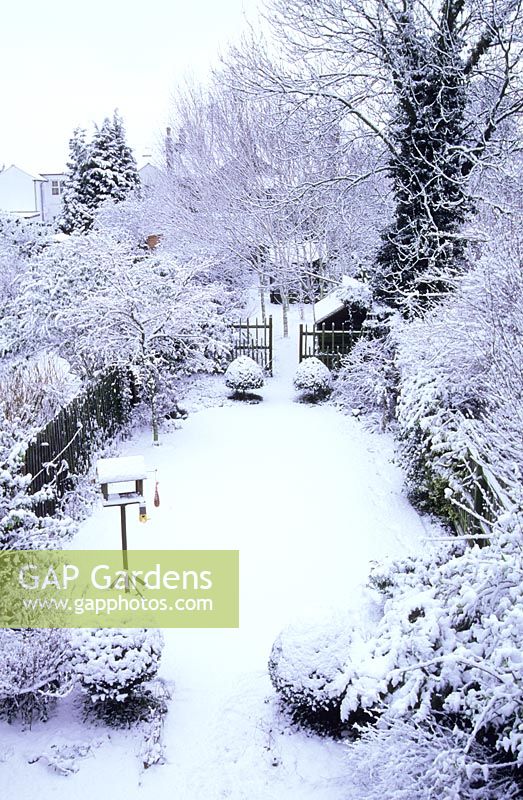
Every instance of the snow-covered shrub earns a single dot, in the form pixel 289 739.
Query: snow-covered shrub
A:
pixel 313 380
pixel 448 646
pixel 112 667
pixel 355 293
pixel 306 667
pixel 445 653
pixel 34 669
pixel 459 407
pixel 408 761
pixel 243 375
pixel 368 378
pixel 34 390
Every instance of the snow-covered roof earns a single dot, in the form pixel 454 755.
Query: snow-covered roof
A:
pixel 120 469
pixel 291 252
pixel 328 306
pixel 58 174
pixel 34 177
pixel 350 290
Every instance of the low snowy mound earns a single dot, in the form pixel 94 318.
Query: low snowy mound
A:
pixel 313 380
pixel 307 669
pixel 243 375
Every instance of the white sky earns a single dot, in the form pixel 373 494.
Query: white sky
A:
pixel 65 63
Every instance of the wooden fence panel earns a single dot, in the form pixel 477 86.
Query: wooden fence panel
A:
pixel 255 339
pixel 328 344
pixel 65 447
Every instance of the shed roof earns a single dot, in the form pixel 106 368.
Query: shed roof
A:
pixel 328 306
pixel 340 297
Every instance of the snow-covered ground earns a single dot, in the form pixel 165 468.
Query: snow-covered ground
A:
pixel 309 497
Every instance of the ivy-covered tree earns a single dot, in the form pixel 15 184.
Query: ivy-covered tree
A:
pixel 103 170
pixel 423 247
pixel 436 85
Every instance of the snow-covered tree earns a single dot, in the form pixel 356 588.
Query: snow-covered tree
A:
pixel 99 301
pixel 102 170
pixel 75 214
pixel 434 84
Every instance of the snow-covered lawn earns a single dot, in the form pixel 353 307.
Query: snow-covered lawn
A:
pixel 309 497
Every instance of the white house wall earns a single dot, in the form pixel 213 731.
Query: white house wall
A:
pixel 19 192
pixel 52 203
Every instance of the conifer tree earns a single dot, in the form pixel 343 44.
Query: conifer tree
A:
pixel 103 170
pixel 75 214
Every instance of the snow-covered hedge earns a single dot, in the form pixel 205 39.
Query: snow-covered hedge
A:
pixel 446 651
pixel 243 375
pixel 34 669
pixel 313 379
pixel 20 527
pixel 111 666
pixel 368 379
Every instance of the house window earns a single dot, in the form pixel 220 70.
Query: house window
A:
pixel 57 187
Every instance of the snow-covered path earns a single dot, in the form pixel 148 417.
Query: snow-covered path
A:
pixel 308 497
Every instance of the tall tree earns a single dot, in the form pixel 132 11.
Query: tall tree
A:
pixel 433 82
pixel 428 166
pixel 75 215
pixel 103 170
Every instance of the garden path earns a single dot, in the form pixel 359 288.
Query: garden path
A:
pixel 309 497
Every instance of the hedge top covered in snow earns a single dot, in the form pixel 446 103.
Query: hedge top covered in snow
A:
pixel 244 374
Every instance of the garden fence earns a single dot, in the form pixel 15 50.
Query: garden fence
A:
pixel 328 344
pixel 67 444
pixel 254 339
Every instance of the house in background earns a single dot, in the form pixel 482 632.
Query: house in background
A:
pixel 52 191
pixel 39 197
pixel 149 176
pixel 20 193
pixel 30 196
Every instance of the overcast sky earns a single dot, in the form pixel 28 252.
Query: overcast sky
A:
pixel 65 63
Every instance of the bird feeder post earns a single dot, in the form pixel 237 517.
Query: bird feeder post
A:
pixel 123 527
pixel 121 481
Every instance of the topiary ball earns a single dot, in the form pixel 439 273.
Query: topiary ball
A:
pixel 313 379
pixel 243 375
